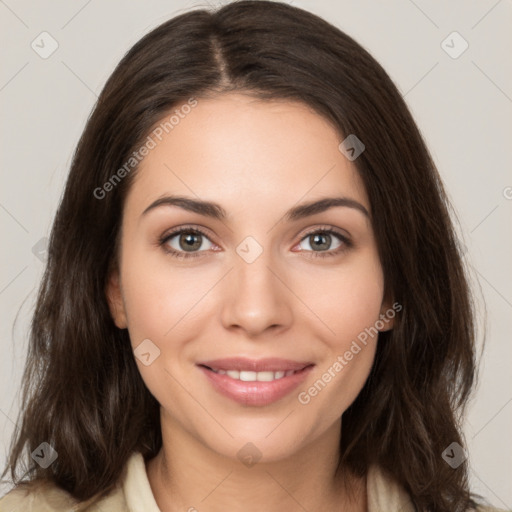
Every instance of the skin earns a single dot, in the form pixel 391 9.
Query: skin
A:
pixel 256 159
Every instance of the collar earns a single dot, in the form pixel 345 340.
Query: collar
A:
pixel 383 493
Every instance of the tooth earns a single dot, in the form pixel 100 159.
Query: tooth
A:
pixel 265 376
pixel 248 376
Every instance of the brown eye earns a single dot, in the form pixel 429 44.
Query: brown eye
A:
pixel 185 240
pixel 321 243
pixel 189 241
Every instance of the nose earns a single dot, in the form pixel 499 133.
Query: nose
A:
pixel 256 298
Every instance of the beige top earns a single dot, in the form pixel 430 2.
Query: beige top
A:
pixel 133 494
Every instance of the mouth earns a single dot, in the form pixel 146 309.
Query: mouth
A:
pixel 255 382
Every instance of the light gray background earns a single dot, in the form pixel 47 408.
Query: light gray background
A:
pixel 463 107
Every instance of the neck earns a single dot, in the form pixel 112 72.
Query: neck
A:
pixel 188 476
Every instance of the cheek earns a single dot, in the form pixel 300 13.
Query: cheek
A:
pixel 347 300
pixel 336 384
pixel 159 300
pixel 161 304
pixel 349 304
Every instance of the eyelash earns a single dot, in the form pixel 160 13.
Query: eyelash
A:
pixel 347 244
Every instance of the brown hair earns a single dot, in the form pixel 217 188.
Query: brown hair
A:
pixel 82 391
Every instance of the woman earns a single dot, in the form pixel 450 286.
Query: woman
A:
pixel 254 297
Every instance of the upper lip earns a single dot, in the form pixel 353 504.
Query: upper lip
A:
pixel 255 365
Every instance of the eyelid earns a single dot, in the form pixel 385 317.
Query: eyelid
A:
pixel 326 227
pixel 186 227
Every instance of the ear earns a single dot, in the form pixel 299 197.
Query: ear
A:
pixel 115 300
pixel 387 315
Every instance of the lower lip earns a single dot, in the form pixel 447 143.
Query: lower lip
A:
pixel 256 393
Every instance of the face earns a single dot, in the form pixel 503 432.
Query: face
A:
pixel 244 312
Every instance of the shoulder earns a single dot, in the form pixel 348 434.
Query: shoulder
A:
pixel 487 508
pixel 132 492
pixel 32 496
pixel 47 497
pixel 384 493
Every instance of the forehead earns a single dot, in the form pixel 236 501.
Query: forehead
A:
pixel 234 148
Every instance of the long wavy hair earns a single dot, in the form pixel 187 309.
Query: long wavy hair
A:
pixel 82 391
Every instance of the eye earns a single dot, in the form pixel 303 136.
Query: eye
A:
pixel 320 241
pixel 185 242
pixel 188 242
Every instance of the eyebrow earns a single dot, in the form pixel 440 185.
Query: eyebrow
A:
pixel 215 211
